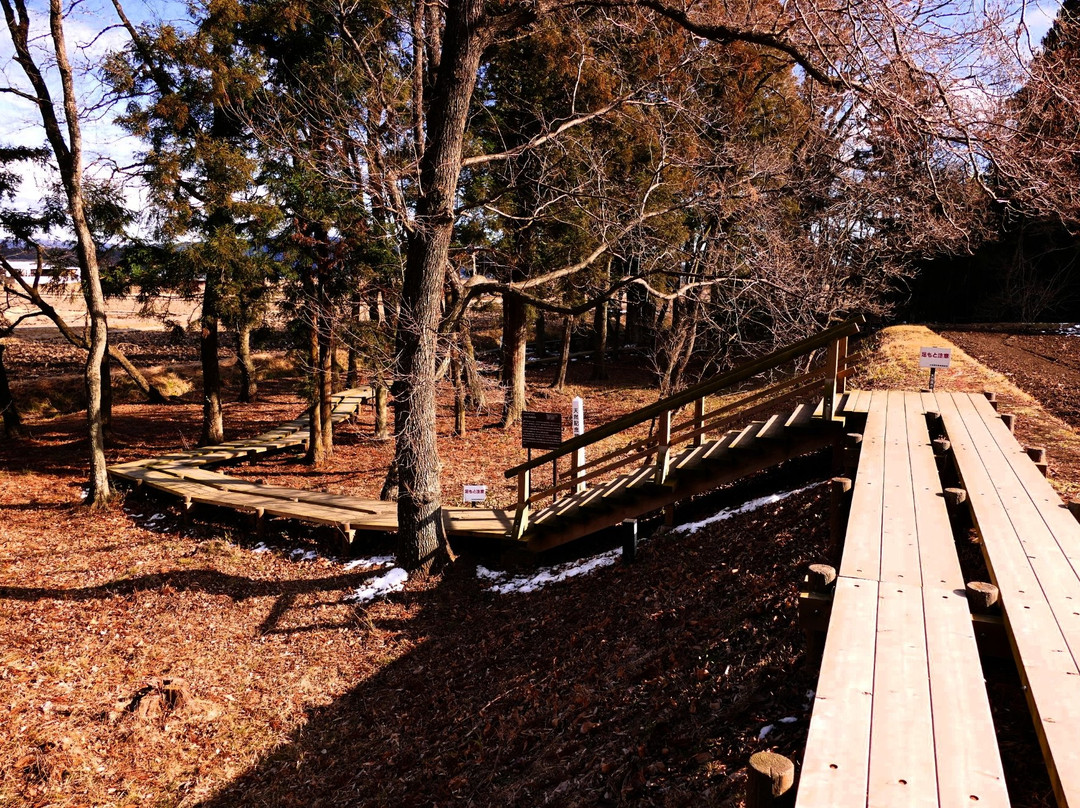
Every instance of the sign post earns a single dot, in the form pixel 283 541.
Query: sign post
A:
pixel 577 422
pixel 934 358
pixel 474 494
pixel 543 430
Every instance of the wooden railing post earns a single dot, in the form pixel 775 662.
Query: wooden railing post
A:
pixel 663 448
pixel 577 460
pixel 699 421
pixel 521 518
pixel 833 384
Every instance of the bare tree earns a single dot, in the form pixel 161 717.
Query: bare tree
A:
pixel 65 141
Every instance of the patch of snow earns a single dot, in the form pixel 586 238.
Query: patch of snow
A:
pixel 303 555
pixel 260 548
pixel 765 730
pixel 504 583
pixel 157 517
pixel 788 720
pixel 369 563
pixel 746 507
pixel 385 584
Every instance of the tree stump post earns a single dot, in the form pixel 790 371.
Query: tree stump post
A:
pixel 982 597
pixel 629 541
pixel 839 504
pixel 770 781
pixel 1009 419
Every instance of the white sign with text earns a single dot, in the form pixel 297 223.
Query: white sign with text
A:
pixel 475 493
pixel 935 357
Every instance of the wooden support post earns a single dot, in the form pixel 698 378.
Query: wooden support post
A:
pixel 663 449
pixel 832 383
pixel 770 781
pixel 849 457
pixel 1036 453
pixel 839 503
pixel 577 460
pixel 524 492
pixel 841 363
pixel 187 509
pixel 992 398
pixel 941 446
pixel 1009 419
pixel 955 496
pixel 1074 509
pixel 959 515
pixel 699 421
pixel 669 515
pixel 820 578
pixel 629 541
pixel 982 597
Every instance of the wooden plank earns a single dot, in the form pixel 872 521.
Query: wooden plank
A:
pixel 478 522
pixel 773 428
pixel 900 560
pixel 800 416
pixel 938 562
pixel 836 765
pixel 1014 544
pixel 965 744
pixel 903 770
pixel 745 439
pixel 862 545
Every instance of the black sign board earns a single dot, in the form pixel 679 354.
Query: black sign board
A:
pixel 541 430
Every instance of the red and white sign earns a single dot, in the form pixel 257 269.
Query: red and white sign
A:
pixel 935 357
pixel 475 493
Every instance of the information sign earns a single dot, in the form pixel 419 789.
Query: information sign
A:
pixel 475 493
pixel 577 412
pixel 935 357
pixel 541 430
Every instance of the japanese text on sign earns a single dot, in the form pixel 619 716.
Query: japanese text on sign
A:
pixel 935 357
pixel 541 430
pixel 475 493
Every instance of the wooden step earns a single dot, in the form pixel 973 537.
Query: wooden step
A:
pixel 774 428
pixel 745 439
pixel 800 417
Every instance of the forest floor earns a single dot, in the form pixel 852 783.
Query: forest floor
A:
pixel 649 684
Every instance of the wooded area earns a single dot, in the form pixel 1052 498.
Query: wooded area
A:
pixel 696 186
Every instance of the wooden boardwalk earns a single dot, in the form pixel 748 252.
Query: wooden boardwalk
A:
pixel 186 476
pixel 901 714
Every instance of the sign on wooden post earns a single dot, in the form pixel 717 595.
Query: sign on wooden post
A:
pixel 577 424
pixel 474 493
pixel 541 430
pixel 934 358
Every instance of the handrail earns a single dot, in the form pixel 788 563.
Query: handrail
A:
pixel 691 394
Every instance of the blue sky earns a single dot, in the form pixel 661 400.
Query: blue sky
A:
pixel 92 30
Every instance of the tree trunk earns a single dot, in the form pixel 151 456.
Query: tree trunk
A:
pixel 248 385
pixel 564 357
pixel 514 333
pixel 106 393
pixel 13 427
pixel 459 389
pixel 382 410
pixel 68 154
pixel 420 544
pixel 327 348
pixel 315 447
pixel 600 335
pixel 213 427
pixel 541 333
pixel 475 397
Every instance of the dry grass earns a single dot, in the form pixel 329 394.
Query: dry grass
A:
pixel 895 365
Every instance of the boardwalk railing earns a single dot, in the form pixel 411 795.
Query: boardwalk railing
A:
pixel 826 381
